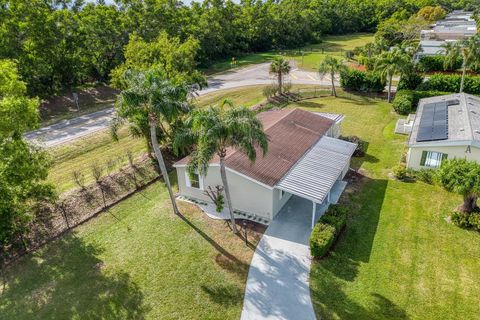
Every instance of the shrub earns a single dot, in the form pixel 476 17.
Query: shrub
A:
pixel 410 81
pixel 424 175
pixel 406 101
pixel 451 83
pixel 321 239
pixel 355 80
pixel 403 102
pixel 336 216
pixel 361 145
pixel 437 63
pixel 270 90
pixel 460 219
pixel 400 172
pixel 474 221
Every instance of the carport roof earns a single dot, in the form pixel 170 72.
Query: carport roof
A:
pixel 316 172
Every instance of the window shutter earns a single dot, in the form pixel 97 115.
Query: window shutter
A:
pixel 424 158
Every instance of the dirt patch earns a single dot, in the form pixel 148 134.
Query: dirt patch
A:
pixel 88 98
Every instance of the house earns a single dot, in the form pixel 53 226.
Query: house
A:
pixel 456 26
pixel 445 127
pixel 305 158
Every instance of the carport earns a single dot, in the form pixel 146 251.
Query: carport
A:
pixel 318 175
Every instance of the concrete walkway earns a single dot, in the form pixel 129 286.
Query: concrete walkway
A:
pixel 277 284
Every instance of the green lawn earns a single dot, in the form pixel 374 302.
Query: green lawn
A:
pixel 313 54
pixel 399 257
pixel 98 148
pixel 148 264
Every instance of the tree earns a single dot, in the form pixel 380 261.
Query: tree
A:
pixel 23 167
pixel 468 50
pixel 151 95
pixel 432 14
pixel 217 130
pixel 331 65
pixel 462 177
pixel 279 67
pixel 390 63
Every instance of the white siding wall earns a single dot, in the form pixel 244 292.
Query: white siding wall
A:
pixel 277 202
pixel 414 155
pixel 246 194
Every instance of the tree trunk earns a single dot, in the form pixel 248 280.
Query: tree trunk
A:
pixel 389 94
pixel 223 174
pixel 334 92
pixel 279 83
pixel 161 162
pixel 469 204
pixel 464 71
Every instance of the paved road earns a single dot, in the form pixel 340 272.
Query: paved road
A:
pixel 277 284
pixel 68 130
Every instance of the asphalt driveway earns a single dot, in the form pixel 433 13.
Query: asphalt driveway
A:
pixel 277 284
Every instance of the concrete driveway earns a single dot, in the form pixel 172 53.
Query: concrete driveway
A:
pixel 277 284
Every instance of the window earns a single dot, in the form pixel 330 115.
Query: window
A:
pixel 432 159
pixel 281 194
pixel 194 182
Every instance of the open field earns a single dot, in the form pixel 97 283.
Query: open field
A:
pixel 148 264
pixel 99 148
pixel 313 54
pixel 399 257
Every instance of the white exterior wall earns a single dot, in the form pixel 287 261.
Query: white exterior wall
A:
pixel 277 202
pixel 247 195
pixel 414 155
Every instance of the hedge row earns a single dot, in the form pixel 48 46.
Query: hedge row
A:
pixel 363 81
pixel 451 83
pixel 437 63
pixel 406 101
pixel 327 230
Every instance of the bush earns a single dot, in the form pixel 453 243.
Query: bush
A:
pixel 321 239
pixel 403 102
pixel 270 90
pixel 362 81
pixel 400 172
pixel 451 83
pixel 474 221
pixel 424 175
pixel 361 145
pixel 465 220
pixel 336 216
pixel 437 63
pixel 410 81
pixel 406 101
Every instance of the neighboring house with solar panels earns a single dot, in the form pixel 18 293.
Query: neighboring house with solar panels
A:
pixel 305 158
pixel 445 127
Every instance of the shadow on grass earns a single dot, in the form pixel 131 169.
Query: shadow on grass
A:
pixel 224 259
pixel 67 280
pixel 227 295
pixel 353 249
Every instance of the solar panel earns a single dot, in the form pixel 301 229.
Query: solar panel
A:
pixel 434 122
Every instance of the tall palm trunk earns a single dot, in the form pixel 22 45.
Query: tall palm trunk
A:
pixel 279 83
pixel 161 162
pixel 223 174
pixel 464 72
pixel 334 92
pixel 389 95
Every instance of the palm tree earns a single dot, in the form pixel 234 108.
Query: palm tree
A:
pixel 392 62
pixel 217 131
pixel 280 66
pixel 468 50
pixel 153 97
pixel 331 65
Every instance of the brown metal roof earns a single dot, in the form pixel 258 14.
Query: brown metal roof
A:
pixel 291 132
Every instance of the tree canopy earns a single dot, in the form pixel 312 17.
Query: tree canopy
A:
pixel 23 167
pixel 63 44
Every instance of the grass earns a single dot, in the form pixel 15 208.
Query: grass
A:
pixel 148 264
pixel 313 54
pixel 399 258
pixel 99 148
